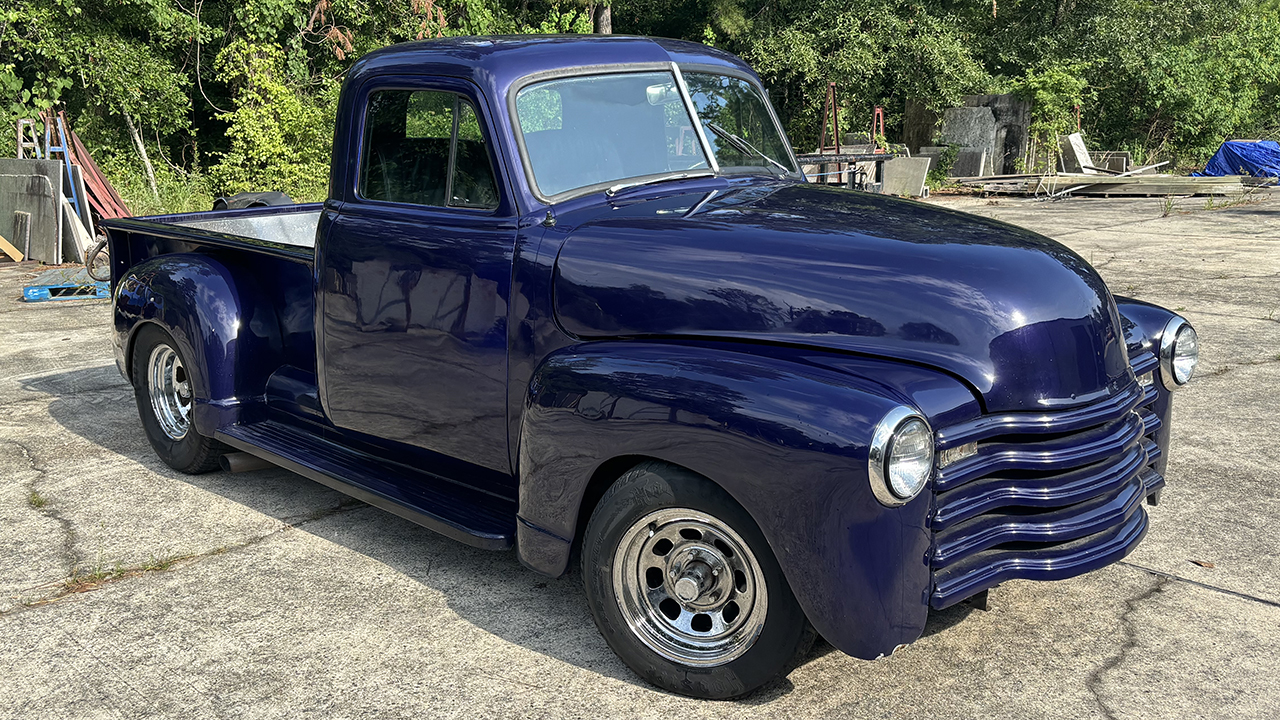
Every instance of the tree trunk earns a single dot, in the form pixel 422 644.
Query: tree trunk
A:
pixel 142 150
pixel 604 20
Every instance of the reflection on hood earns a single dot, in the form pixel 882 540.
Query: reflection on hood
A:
pixel 1023 319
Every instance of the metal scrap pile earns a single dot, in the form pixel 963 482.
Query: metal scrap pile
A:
pixel 1085 175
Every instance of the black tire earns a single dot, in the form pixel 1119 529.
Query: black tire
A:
pixel 192 453
pixel 650 488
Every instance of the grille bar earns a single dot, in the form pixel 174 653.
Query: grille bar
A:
pixel 1059 454
pixel 1067 523
pixel 1049 491
pixel 1051 562
pixel 1058 421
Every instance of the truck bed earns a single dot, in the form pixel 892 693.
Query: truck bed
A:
pixel 289 225
pixel 293 225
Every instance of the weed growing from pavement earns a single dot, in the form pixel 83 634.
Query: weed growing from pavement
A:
pixel 1167 206
pixel 35 500
pixel 1248 197
pixel 83 580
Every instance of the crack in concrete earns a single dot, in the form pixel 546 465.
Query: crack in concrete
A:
pixel 1094 682
pixel 69 553
pixel 75 582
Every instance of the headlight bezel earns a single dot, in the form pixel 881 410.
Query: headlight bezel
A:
pixel 1169 349
pixel 878 455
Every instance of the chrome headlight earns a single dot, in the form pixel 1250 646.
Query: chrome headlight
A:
pixel 1179 353
pixel 900 459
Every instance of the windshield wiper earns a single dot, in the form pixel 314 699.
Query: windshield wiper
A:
pixel 741 145
pixel 615 189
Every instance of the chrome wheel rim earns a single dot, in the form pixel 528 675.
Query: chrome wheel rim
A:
pixel 689 588
pixel 170 391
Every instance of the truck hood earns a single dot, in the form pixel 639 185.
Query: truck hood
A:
pixel 1025 321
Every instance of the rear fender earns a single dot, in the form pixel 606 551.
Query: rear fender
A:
pixel 787 440
pixel 195 299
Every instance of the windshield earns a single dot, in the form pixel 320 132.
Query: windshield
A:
pixel 731 104
pixel 595 131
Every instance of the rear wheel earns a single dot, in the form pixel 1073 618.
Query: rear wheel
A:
pixel 684 588
pixel 165 393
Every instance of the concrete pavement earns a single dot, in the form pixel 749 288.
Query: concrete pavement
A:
pixel 128 590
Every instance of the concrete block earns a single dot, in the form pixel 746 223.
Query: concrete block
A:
pixel 1115 160
pixel 934 154
pixel 970 162
pixel 931 158
pixel 919 126
pixel 34 187
pixel 1075 156
pixel 905 176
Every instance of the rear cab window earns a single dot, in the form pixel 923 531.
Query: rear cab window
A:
pixel 425 147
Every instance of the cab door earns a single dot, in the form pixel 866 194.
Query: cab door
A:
pixel 414 277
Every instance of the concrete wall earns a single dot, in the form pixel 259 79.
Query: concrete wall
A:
pixel 35 187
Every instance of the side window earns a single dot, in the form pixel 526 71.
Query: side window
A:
pixel 473 185
pixel 410 153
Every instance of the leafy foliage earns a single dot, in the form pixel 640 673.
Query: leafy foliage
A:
pixel 1153 76
pixel 228 95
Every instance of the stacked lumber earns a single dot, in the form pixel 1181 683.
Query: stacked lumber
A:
pixel 1111 186
pixel 1083 175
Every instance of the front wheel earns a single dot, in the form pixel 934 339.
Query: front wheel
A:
pixel 685 589
pixel 165 393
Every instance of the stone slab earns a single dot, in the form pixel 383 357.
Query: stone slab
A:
pixel 971 127
pixel 905 176
pixel 1075 156
pixel 1012 130
pixel 76 240
pixel 86 215
pixel 970 162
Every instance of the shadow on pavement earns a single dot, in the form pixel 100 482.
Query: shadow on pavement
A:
pixel 490 590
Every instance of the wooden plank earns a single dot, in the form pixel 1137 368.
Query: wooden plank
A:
pixel 1155 190
pixel 75 237
pixel 1135 171
pixel 10 250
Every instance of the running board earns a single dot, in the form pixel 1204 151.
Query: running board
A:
pixel 456 511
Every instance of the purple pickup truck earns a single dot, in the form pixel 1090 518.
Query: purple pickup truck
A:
pixel 573 295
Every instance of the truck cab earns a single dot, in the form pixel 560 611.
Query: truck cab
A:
pixel 572 295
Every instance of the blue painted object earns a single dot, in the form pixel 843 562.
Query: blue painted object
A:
pixel 1259 158
pixel 45 293
pixel 489 372
pixel 65 285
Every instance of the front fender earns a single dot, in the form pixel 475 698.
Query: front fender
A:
pixel 196 300
pixel 1143 325
pixel 787 439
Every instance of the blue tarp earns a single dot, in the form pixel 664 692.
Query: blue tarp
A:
pixel 1260 158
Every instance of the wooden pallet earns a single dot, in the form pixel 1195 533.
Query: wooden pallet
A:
pixel 83 291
